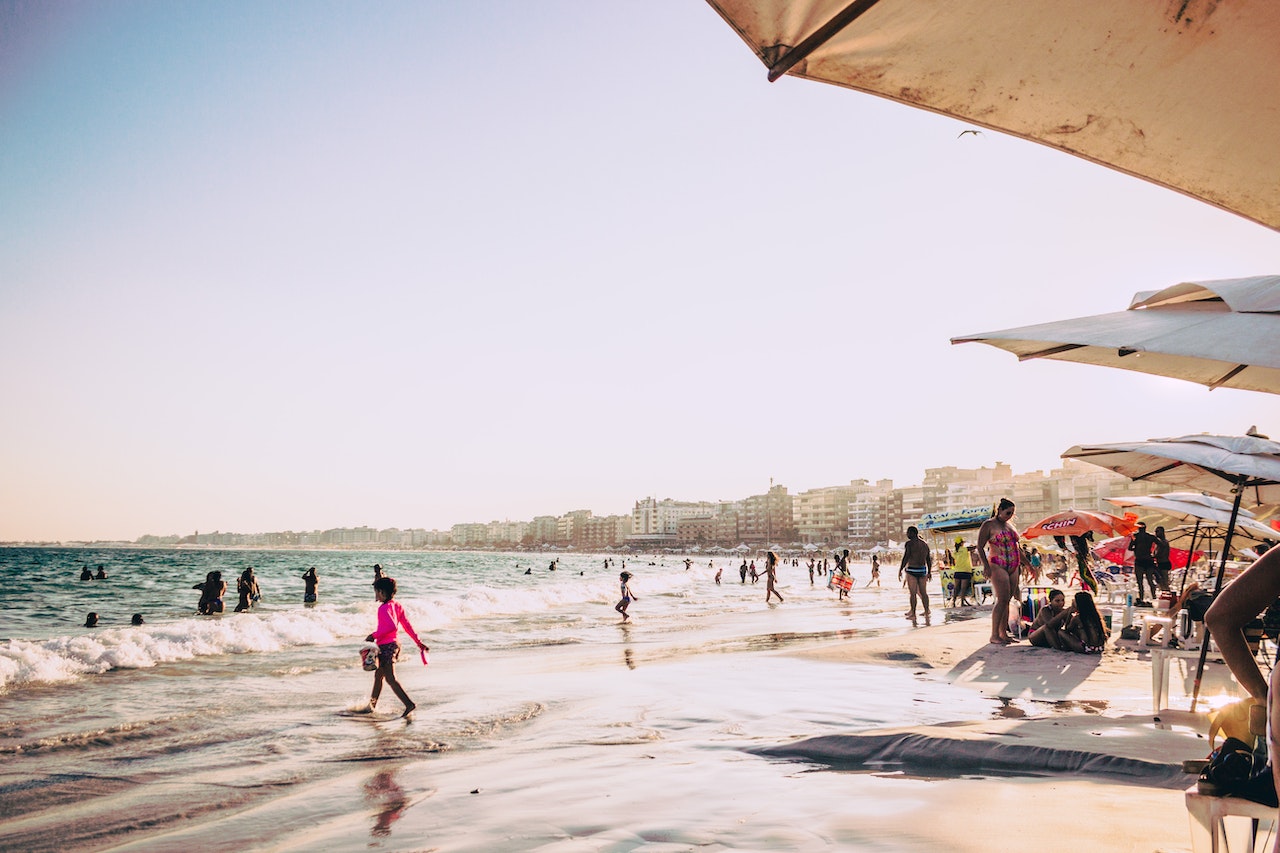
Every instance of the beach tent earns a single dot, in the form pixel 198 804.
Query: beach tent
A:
pixel 943 526
pixel 961 519
pixel 1181 94
pixel 1220 334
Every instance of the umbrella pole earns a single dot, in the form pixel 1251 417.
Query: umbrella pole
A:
pixel 1217 586
pixel 1186 570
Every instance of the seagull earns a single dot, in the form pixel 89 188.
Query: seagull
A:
pixel 974 132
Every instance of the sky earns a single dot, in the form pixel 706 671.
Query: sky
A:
pixel 291 267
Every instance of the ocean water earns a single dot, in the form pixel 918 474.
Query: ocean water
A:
pixel 544 722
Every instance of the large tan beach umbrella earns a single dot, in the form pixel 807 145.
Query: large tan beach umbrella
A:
pixel 1241 465
pixel 1222 334
pixel 1185 94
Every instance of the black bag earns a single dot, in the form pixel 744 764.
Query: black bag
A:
pixel 1198 604
pixel 1230 767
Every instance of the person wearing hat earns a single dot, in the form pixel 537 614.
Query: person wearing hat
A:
pixel 962 575
pixel 1143 544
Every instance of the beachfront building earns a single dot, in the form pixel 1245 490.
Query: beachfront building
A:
pixel 542 530
pixel 604 532
pixel 822 515
pixel 725 525
pixel 469 535
pixel 569 527
pixel 869 516
pixel 768 518
pixel 661 518
pixel 506 533
pixel 696 530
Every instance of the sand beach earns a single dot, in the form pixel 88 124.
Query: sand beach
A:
pixel 711 721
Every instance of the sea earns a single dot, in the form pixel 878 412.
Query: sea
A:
pixel 544 721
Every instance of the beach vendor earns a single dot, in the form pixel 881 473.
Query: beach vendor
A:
pixel 1002 564
pixel 386 635
pixel 917 562
pixel 963 574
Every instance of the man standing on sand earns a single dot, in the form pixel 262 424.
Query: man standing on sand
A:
pixel 1143 544
pixel 917 562
pixel 742 571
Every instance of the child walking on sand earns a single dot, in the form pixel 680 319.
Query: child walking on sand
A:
pixel 627 597
pixel 390 613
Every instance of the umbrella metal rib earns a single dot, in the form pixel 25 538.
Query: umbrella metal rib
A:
pixel 819 37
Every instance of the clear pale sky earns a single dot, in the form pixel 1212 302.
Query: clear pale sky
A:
pixel 297 266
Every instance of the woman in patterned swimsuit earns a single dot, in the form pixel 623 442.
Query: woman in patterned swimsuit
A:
pixel 1002 558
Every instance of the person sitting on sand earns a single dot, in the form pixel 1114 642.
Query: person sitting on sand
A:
pixel 627 596
pixel 1055 625
pixel 386 635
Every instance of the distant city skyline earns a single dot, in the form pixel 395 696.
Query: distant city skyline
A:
pixel 819 513
pixel 266 268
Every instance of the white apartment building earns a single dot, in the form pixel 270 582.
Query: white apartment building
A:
pixel 652 517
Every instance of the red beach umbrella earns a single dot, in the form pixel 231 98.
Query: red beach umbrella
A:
pixel 1077 522
pixel 1116 551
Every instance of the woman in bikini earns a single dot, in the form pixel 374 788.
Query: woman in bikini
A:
pixel 1002 559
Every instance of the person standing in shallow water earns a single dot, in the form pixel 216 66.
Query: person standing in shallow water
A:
pixel 771 577
pixel 212 592
pixel 247 589
pixel 1002 560
pixel 390 614
pixel 917 562
pixel 312 585
pixel 627 596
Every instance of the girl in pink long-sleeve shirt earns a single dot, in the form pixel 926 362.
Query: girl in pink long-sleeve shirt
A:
pixel 390 613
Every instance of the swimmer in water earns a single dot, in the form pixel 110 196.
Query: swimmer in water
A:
pixel 91 621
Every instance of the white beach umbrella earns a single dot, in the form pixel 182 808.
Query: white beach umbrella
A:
pixel 1182 94
pixel 1221 334
pixel 1223 464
